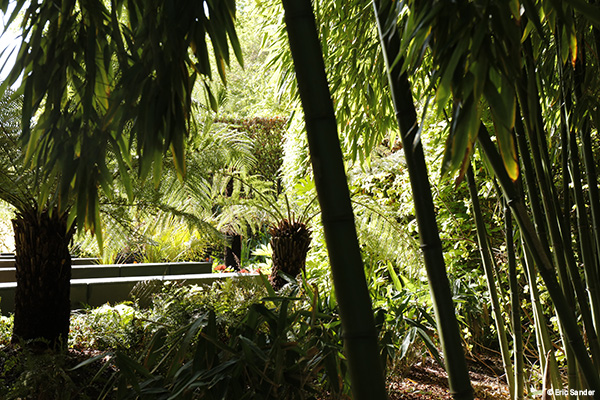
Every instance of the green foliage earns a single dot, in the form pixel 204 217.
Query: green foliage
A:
pixel 175 219
pixel 7 241
pixel 29 375
pixel 106 327
pixel 254 203
pixel 403 316
pixel 226 343
pixel 105 80
pixel 37 372
pixel 229 300
pixel 472 63
pixel 385 215
pixel 176 244
pixel 347 32
pixel 6 326
pixel 250 90
pixel 475 61
pixel 260 361
pixel 267 137
pixel 21 187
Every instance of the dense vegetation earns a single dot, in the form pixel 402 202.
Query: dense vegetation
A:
pixel 474 221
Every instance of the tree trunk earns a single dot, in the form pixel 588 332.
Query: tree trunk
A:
pixel 43 272
pixel 290 242
pixel 233 248
pixel 356 313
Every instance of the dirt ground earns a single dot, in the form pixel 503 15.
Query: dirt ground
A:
pixel 427 380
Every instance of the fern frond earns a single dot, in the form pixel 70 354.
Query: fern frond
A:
pixel 18 185
pixel 175 200
pixel 381 234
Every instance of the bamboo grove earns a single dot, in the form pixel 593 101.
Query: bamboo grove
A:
pixel 517 84
pixel 528 73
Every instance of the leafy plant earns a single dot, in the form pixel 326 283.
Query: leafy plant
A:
pixel 26 374
pixel 6 326
pixel 107 327
pixel 7 240
pixel 267 137
pixel 281 347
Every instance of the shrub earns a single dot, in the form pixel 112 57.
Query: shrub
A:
pixel 235 345
pixel 6 327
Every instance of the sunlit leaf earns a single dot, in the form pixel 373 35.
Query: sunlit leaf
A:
pixel 573 48
pixel 445 86
pixel 503 109
pixel 515 9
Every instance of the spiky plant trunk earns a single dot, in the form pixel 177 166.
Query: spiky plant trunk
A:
pixel 233 251
pixel 43 272
pixel 290 241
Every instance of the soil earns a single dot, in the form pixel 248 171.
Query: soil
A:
pixel 428 380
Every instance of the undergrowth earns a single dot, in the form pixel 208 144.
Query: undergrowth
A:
pixel 234 340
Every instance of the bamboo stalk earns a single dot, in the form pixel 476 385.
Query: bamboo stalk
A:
pixel 529 102
pixel 589 247
pixel 360 336
pixel 585 245
pixel 515 301
pixel 486 261
pixel 543 342
pixel 454 358
pixel 542 262
pixel 580 290
pixel 590 167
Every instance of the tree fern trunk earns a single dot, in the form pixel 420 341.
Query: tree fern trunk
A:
pixel 233 251
pixel 290 242
pixel 43 264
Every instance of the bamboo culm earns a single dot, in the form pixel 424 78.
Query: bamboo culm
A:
pixel 542 262
pixel 486 260
pixel 354 303
pixel 515 302
pixel 454 358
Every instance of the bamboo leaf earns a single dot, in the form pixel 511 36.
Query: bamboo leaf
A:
pixel 394 276
pixel 515 9
pixel 445 86
pixel 587 10
pixel 463 133
pixel 503 109
pixel 573 47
